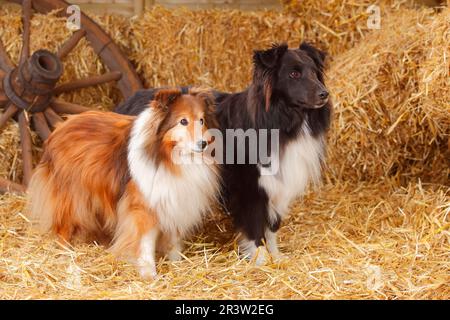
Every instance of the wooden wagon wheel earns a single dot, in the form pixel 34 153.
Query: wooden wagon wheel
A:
pixel 28 90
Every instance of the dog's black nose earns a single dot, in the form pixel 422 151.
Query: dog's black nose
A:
pixel 323 95
pixel 202 144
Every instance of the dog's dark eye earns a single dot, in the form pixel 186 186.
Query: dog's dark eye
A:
pixel 184 122
pixel 201 122
pixel 294 75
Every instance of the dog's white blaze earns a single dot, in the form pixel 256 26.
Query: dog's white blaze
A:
pixel 300 163
pixel 179 201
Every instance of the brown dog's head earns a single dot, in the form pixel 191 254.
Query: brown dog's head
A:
pixel 180 123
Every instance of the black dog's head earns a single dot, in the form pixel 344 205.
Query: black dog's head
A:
pixel 295 75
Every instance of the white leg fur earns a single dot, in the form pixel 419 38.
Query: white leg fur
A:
pixel 272 245
pixel 146 261
pixel 250 251
pixel 271 241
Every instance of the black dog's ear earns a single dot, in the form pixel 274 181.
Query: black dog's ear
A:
pixel 269 58
pixel 317 55
pixel 205 94
pixel 210 103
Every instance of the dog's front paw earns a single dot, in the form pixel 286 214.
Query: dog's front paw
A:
pixel 147 271
pixel 259 256
pixel 279 257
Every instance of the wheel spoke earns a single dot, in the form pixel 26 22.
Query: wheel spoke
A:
pixel 5 62
pixel 5 116
pixel 63 107
pixel 25 142
pixel 88 82
pixel 9 186
pixel 41 126
pixel 52 117
pixel 3 99
pixel 71 43
pixel 26 21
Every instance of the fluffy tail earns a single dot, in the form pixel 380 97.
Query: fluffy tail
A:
pixel 41 201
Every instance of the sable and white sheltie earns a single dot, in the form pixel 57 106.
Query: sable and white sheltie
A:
pixel 112 177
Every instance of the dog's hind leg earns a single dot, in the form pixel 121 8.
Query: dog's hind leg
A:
pixel 177 246
pixel 170 243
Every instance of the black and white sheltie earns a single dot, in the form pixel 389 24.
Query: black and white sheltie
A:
pixel 287 94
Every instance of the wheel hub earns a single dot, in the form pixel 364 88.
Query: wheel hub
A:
pixel 30 85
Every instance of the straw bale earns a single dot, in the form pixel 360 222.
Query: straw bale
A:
pixel 214 47
pixel 207 47
pixel 11 154
pixel 392 110
pixel 339 25
pixel 374 230
pixel 10 160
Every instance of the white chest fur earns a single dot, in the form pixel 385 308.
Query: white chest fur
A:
pixel 299 163
pixel 179 201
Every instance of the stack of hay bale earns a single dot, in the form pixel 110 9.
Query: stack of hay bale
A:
pixel 391 102
pixel 390 86
pixel 387 181
pixel 392 112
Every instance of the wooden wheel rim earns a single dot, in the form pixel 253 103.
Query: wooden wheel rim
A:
pixel 101 42
pixel 45 116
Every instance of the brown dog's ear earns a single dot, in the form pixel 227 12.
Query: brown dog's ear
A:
pixel 317 55
pixel 165 97
pixel 269 58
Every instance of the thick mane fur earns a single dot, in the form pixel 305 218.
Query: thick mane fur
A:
pixel 179 197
